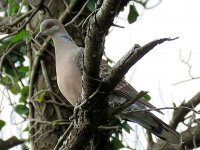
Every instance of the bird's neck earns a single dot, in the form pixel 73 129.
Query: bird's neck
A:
pixel 63 36
pixel 64 42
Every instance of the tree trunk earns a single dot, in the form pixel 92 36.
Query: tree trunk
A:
pixel 48 121
pixel 45 135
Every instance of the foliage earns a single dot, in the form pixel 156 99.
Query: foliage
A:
pixel 13 63
pixel 133 14
pixel 2 124
pixel 15 68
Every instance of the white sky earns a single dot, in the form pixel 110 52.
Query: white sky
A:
pixel 161 68
pixel 157 71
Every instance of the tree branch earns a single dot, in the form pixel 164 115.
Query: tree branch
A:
pixel 11 142
pixel 39 6
pixel 99 23
pixel 98 26
pixel 191 137
pixel 129 59
pixel 8 50
pixel 179 114
pixel 79 13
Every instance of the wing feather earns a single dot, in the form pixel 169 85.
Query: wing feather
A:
pixel 123 89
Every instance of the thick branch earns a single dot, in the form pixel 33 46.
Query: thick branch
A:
pixel 98 26
pixel 128 60
pixel 179 114
pixel 94 41
pixel 11 142
pixel 191 137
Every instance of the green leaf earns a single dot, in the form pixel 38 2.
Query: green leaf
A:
pixel 14 7
pixel 147 97
pixel 116 143
pixel 24 94
pixel 41 97
pixel 24 147
pixel 22 35
pixel 2 124
pixel 133 14
pixel 15 88
pixel 22 99
pixel 21 109
pixel 6 80
pixel 24 91
pixel 126 127
pixel 26 129
pixel 91 5
pixel 5 42
pixel 24 71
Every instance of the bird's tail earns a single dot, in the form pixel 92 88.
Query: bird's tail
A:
pixel 155 126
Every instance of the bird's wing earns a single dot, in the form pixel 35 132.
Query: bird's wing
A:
pixel 123 89
pixel 145 119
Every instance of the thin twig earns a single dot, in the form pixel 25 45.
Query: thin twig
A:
pixel 79 13
pixel 19 19
pixel 187 80
pixel 39 6
pixel 6 52
pixel 109 127
pixel 48 10
pixel 63 103
pixel 162 108
pixel 43 134
pixel 186 62
pixel 116 25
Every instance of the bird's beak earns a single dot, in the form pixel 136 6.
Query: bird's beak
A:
pixel 39 35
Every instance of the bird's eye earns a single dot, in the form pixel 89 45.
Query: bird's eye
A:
pixel 49 25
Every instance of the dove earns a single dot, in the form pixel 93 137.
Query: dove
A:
pixel 69 67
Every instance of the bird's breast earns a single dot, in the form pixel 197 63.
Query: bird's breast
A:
pixel 69 79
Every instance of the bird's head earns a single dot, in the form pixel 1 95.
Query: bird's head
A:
pixel 50 27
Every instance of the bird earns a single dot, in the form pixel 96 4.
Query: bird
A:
pixel 69 67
